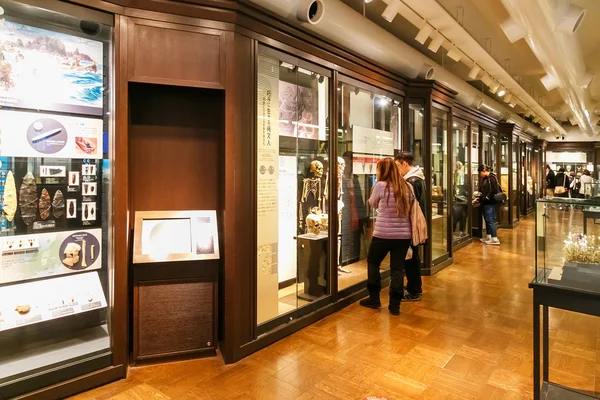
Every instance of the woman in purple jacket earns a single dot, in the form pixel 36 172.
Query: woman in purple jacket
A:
pixel 392 197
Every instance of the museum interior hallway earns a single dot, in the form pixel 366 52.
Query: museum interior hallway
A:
pixel 469 338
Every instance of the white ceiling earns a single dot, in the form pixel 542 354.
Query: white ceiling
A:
pixel 482 19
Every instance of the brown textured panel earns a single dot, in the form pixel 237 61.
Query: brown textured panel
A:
pixel 175 148
pixel 174 317
pixel 169 54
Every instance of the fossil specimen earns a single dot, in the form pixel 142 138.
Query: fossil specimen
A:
pixel 58 204
pixel 10 197
pixel 45 204
pixel 28 199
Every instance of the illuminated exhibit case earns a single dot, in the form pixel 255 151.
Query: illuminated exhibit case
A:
pixel 55 177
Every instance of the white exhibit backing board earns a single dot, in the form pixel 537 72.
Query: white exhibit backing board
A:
pixel 267 188
pixel 288 218
pixel 25 134
pixel 42 255
pixel 49 299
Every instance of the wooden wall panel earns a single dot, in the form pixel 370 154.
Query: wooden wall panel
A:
pixel 173 54
pixel 175 148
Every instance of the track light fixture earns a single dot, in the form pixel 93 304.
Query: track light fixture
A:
pixel 436 42
pixel 501 92
pixel 550 82
pixel 494 88
pixel 486 80
pixel 586 79
pixel 424 33
pixel 454 54
pixel 507 98
pixel 511 30
pixel 391 10
pixel 474 71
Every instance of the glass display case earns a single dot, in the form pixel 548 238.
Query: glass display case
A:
pixel 460 182
pixel 294 171
pixel 56 273
pixel 439 183
pixel 568 243
pixel 369 124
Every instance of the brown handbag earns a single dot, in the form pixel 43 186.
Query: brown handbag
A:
pixel 561 189
pixel 418 222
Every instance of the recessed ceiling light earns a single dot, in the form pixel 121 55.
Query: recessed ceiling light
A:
pixel 501 92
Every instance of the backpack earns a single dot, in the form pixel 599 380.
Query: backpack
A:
pixel 417 222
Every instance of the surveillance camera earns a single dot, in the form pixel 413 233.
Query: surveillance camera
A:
pixel 557 137
pixel 563 137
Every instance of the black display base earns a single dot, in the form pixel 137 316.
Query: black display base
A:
pixel 580 276
pixel 551 391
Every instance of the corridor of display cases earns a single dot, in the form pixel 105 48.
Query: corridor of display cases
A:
pixel 470 337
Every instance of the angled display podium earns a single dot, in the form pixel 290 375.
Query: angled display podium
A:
pixel 567 278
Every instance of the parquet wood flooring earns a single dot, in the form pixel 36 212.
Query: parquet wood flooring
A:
pixel 470 337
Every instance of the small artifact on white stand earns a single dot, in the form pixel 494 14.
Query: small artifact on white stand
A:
pixel 71 254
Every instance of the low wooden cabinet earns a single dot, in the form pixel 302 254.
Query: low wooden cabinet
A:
pixel 175 312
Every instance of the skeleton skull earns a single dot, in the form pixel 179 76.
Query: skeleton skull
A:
pixel 316 167
pixel 341 166
pixel 313 224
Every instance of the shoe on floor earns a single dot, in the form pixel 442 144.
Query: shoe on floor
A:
pixel 370 302
pixel 394 310
pixel 485 240
pixel 411 297
pixel 493 242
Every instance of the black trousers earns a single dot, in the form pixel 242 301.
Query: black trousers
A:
pixel 412 268
pixel 378 249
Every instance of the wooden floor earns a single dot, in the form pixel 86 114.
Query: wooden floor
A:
pixel 469 338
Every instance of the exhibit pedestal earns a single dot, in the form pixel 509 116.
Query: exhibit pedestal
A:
pixel 312 264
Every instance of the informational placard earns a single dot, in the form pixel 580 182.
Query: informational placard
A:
pixel 267 160
pixel 42 255
pixel 51 71
pixel 365 164
pixel 25 134
pixel 33 302
pixel 372 141
pixel 171 236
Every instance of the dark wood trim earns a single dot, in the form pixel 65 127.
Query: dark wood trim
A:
pixel 287 283
pixel 119 317
pixel 585 147
pixel 434 269
pixel 333 203
pixel 77 385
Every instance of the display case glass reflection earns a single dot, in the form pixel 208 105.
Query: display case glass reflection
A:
pixel 568 243
pixel 55 180
pixel 439 179
pixel 460 181
pixel 369 130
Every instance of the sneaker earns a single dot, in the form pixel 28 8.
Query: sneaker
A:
pixel 494 242
pixel 411 297
pixel 371 302
pixel 485 240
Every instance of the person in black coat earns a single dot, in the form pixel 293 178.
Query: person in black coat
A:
pixel 489 187
pixel 562 180
pixel 550 181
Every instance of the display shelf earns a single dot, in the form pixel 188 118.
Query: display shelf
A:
pixel 39 301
